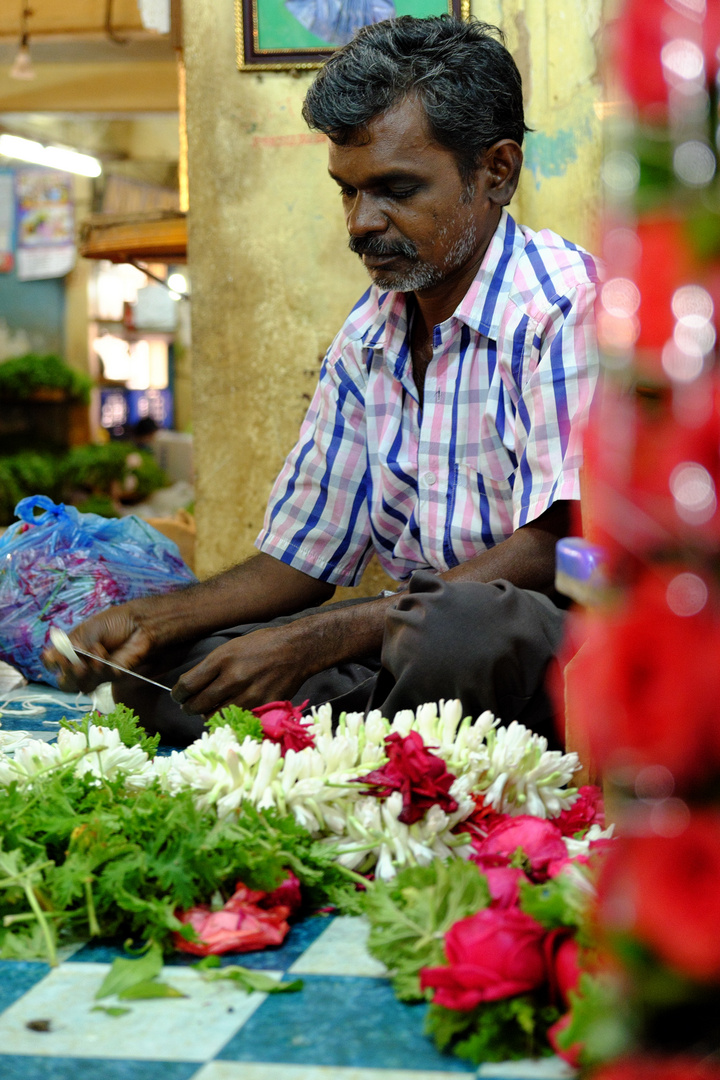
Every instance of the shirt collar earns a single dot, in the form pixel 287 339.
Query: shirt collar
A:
pixel 481 308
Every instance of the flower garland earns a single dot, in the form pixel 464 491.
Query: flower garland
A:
pixel 337 785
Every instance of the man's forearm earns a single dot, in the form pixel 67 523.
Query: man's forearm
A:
pixel 254 591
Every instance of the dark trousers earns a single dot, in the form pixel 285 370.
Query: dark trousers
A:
pixel 487 644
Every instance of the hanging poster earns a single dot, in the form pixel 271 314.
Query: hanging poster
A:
pixel 7 219
pixel 45 223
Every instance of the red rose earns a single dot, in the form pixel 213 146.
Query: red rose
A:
pixel 588 809
pixel 644 671
pixel 494 954
pixel 572 1053
pixel 282 722
pixel 249 920
pixel 540 843
pixel 659 1068
pixel 666 892
pixel 563 962
pixel 504 885
pixel 421 776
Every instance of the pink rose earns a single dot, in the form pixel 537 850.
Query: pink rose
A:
pixel 493 954
pixel 540 843
pixel 249 920
pixel 282 722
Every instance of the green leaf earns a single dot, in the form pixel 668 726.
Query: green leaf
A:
pixel 242 722
pixel 111 1010
pixel 505 1030
pixel 410 916
pixel 124 973
pixel 147 989
pixel 253 980
pixel 207 962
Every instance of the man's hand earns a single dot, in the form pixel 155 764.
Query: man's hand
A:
pixel 266 665
pixel 118 634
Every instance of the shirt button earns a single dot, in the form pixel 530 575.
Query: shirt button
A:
pixel 430 479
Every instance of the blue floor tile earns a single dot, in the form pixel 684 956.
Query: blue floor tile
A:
pixel 22 1067
pixel 17 977
pixel 342 1022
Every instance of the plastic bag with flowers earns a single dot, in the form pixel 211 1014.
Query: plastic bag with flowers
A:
pixel 61 566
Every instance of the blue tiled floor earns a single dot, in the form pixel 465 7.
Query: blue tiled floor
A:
pixel 341 1021
pixel 17 977
pixel 23 1067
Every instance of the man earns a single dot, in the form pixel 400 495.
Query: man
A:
pixel 443 435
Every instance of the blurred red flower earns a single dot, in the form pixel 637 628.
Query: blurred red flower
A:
pixel 282 722
pixel 646 672
pixel 645 27
pixel 665 891
pixel 249 920
pixel 422 777
pixel 493 954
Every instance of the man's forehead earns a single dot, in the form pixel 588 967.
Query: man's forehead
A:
pixel 398 138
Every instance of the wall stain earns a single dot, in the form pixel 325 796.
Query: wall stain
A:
pixel 550 155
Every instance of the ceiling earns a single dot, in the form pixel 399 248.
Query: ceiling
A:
pixel 83 64
pixel 74 17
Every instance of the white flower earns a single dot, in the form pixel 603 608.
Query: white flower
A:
pixel 582 847
pixel 523 777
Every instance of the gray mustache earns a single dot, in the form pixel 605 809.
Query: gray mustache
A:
pixel 373 245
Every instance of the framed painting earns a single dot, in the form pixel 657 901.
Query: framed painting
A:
pixel 279 35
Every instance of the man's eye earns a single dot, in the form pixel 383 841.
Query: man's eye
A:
pixel 402 193
pixel 347 192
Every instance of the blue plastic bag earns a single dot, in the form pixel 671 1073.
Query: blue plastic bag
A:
pixel 61 566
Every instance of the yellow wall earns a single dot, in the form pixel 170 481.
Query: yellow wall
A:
pixel 272 276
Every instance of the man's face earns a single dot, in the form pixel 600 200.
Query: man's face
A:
pixel 410 216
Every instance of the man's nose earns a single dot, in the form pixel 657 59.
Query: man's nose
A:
pixel 365 216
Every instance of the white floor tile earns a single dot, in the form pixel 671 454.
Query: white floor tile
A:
pixel 340 950
pixel 194 1028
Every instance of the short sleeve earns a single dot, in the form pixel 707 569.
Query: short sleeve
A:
pixel 553 405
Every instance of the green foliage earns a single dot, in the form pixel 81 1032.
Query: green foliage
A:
pixel 27 473
pixel 102 505
pixel 601 1019
pixel 504 1030
pixel 85 474
pixel 410 915
pixel 98 468
pixel 242 721
pixel 554 903
pixel 122 720
pixel 22 376
pixel 79 858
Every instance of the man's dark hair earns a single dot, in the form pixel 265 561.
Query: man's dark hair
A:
pixel 461 71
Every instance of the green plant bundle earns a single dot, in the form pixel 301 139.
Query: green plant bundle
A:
pixel 84 469
pixel 97 468
pixel 23 376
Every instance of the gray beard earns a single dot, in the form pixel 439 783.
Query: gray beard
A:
pixel 425 275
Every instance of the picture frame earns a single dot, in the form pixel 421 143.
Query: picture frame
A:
pixel 278 35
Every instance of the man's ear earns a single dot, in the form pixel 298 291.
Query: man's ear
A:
pixel 502 164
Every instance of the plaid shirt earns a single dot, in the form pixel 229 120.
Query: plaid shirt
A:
pixel 496 442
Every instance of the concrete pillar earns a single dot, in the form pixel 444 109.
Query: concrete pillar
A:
pixel 272 276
